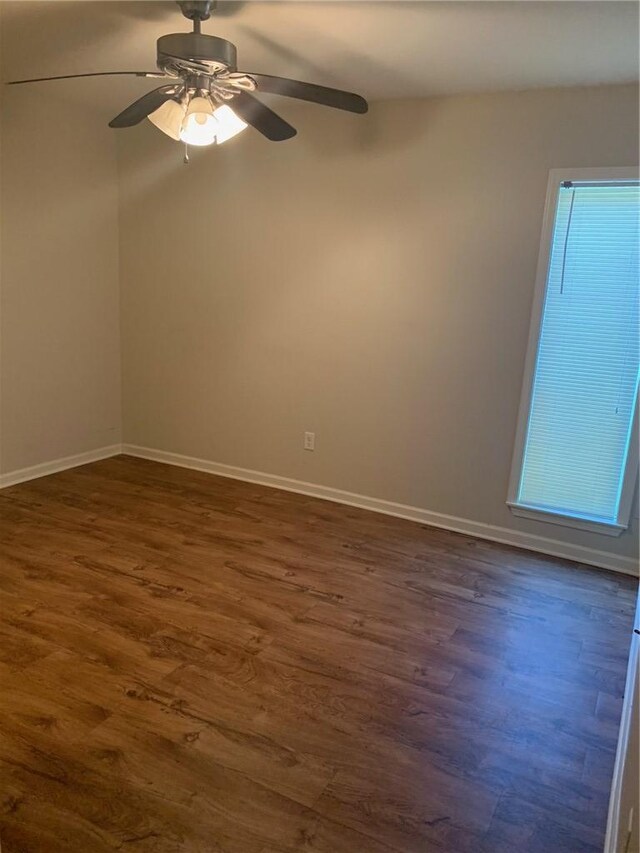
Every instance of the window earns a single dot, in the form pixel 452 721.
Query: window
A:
pixel 575 459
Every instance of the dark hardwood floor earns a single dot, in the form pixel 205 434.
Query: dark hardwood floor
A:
pixel 189 663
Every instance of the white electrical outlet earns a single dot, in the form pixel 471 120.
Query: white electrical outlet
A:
pixel 309 441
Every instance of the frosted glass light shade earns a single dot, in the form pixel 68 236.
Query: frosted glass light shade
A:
pixel 229 124
pixel 199 127
pixel 168 118
pixel 199 123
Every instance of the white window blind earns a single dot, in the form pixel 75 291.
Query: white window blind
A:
pixel 585 382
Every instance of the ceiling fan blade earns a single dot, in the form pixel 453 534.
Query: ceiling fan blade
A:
pixel 141 108
pixel 91 74
pixel 259 116
pixel 310 92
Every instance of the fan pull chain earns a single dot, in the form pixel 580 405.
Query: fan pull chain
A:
pixel 186 155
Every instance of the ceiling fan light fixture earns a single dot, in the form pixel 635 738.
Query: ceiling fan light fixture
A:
pixel 199 126
pixel 229 124
pixel 203 74
pixel 168 118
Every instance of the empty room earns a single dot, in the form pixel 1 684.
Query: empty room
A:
pixel 319 366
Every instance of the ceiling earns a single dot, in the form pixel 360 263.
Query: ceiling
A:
pixel 380 49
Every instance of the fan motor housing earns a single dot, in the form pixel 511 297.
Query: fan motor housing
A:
pixel 177 51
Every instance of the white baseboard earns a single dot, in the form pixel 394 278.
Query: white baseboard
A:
pixel 11 478
pixel 541 544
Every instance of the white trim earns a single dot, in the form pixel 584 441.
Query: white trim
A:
pixel 613 842
pixel 11 478
pixel 556 177
pixel 552 547
pixel 552 517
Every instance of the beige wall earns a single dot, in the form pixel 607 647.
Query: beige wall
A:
pixel 60 349
pixel 370 281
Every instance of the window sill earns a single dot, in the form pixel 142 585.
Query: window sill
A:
pixel 591 525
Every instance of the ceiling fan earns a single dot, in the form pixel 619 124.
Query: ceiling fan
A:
pixel 208 101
